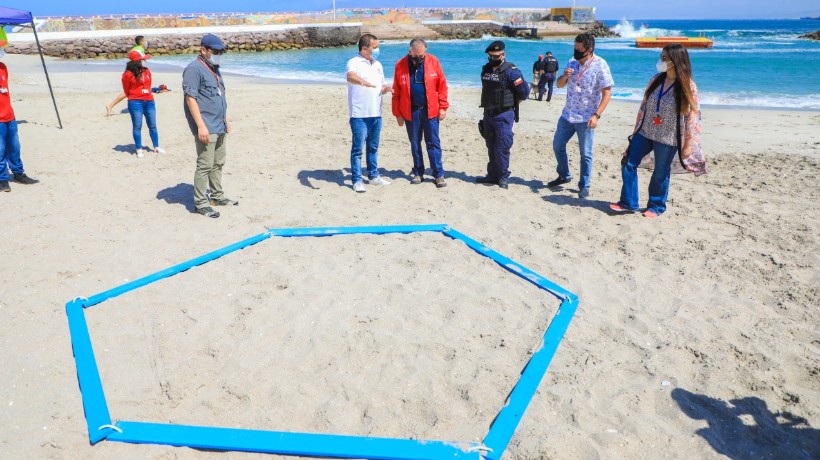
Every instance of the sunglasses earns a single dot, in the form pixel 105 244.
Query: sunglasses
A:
pixel 216 52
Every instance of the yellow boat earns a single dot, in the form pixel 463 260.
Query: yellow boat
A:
pixel 660 42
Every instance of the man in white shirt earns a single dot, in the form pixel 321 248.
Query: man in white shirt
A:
pixel 365 87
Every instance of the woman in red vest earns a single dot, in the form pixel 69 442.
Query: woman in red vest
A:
pixel 136 84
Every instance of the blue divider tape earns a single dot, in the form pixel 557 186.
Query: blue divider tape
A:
pixel 277 442
pixel 97 298
pixel 88 376
pixel 503 427
pixel 378 230
pixel 512 266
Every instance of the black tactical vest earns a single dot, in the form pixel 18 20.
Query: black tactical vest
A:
pixel 496 95
pixel 551 65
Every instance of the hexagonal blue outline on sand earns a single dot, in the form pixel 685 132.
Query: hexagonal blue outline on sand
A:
pixel 492 447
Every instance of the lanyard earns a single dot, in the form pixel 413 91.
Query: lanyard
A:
pixel 581 73
pixel 661 94
pixel 218 81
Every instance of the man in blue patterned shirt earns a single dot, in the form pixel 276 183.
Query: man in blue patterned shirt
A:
pixel 589 88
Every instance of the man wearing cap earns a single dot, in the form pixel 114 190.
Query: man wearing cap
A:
pixel 206 111
pixel 548 78
pixel 419 103
pixel 9 138
pixel 502 89
pixel 365 86
pixel 589 88
pixel 537 71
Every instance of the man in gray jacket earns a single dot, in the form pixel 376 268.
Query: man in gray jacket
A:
pixel 206 111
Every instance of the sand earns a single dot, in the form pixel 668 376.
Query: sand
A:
pixel 696 337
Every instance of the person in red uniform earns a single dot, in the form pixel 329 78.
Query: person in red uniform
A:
pixel 420 102
pixel 136 84
pixel 9 139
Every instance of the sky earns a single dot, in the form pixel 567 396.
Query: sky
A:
pixel 606 9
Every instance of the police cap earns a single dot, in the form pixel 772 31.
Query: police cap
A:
pixel 497 45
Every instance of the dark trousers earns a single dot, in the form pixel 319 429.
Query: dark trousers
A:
pixel 548 79
pixel 427 128
pixel 499 131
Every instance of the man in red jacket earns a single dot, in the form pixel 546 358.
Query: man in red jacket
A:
pixel 419 103
pixel 9 139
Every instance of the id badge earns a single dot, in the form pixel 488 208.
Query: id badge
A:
pixel 578 89
pixel 219 92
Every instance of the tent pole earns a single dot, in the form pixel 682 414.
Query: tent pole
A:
pixel 48 80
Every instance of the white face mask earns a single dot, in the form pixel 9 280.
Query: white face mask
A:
pixel 2 52
pixel 215 58
pixel 661 65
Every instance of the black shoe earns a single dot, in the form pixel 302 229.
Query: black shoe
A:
pixel 207 211
pixel 503 184
pixel 4 186
pixel 583 193
pixel 485 180
pixel 557 182
pixel 23 179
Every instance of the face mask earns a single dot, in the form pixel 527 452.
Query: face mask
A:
pixel 578 55
pixel 215 59
pixel 375 53
pixel 2 52
pixel 661 66
pixel 145 45
pixel 416 60
pixel 494 59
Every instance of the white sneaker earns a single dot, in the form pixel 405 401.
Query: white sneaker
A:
pixel 358 187
pixel 159 150
pixel 139 153
pixel 379 181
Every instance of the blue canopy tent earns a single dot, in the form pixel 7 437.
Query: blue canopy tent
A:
pixel 10 16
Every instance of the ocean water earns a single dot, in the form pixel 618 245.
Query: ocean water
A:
pixel 755 63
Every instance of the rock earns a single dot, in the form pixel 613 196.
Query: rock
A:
pixel 599 30
pixel 811 35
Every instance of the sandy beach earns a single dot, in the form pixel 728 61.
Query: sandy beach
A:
pixel 696 336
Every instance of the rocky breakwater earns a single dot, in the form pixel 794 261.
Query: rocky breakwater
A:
pixel 811 35
pixel 599 30
pixel 179 43
pixel 465 31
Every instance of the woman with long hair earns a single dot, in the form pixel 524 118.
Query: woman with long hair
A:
pixel 668 123
pixel 136 84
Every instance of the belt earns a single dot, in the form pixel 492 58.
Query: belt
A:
pixel 496 112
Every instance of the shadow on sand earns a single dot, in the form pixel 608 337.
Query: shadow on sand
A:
pixel 746 429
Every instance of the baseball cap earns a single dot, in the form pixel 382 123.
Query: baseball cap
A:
pixel 213 42
pixel 136 55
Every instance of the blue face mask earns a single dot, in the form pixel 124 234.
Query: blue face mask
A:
pixel 374 53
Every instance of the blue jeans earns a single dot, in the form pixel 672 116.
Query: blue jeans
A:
pixel 137 108
pixel 498 130
pixel 9 150
pixel 658 184
pixel 429 128
pixel 366 131
pixel 563 133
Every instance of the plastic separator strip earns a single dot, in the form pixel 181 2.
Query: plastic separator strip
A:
pixel 503 427
pixel 512 266
pixel 378 230
pixel 88 376
pixel 314 445
pixel 171 271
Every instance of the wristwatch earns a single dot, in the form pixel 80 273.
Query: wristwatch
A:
pixel 596 115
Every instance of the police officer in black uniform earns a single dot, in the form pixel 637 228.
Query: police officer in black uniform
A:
pixel 502 89
pixel 548 78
